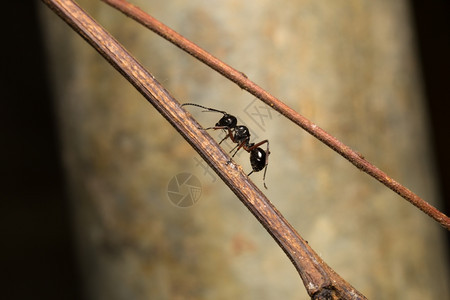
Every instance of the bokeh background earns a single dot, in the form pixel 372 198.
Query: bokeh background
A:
pixel 69 233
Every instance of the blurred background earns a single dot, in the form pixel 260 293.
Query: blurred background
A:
pixel 43 238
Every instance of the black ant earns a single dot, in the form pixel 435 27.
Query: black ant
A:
pixel 239 134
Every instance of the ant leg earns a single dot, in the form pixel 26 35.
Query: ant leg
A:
pixel 264 176
pixel 224 139
pixel 248 149
pixel 233 154
pixel 233 148
pixel 216 127
pixel 240 146
pixel 229 134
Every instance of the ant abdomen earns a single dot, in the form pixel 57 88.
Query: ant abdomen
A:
pixel 258 159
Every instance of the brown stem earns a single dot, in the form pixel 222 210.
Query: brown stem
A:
pixel 319 279
pixel 241 80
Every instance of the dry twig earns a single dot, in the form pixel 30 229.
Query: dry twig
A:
pixel 319 279
pixel 241 80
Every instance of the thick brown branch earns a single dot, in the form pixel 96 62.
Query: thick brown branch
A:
pixel 241 79
pixel 319 279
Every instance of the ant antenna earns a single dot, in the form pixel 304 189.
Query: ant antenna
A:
pixel 207 108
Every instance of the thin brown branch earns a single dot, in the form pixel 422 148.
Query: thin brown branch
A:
pixel 319 279
pixel 241 80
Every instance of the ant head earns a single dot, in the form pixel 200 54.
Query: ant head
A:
pixel 228 121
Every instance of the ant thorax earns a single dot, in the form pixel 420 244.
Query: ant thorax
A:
pixel 241 134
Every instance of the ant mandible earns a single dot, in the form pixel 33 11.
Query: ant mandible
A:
pixel 239 134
